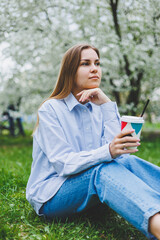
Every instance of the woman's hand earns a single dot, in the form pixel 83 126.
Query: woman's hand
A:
pixel 120 143
pixel 94 95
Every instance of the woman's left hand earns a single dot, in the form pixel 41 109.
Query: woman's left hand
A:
pixel 94 95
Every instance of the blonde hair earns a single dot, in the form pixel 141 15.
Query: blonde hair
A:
pixel 67 73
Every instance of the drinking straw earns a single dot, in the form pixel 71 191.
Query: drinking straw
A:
pixel 144 108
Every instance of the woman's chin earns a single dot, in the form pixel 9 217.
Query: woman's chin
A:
pixel 93 86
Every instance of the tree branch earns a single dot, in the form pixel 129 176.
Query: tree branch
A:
pixel 115 93
pixel 114 7
pixel 134 94
pixel 154 30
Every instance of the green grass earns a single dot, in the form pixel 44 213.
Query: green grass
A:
pixel 19 221
pixel 151 126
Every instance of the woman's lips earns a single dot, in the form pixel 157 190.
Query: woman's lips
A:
pixel 94 77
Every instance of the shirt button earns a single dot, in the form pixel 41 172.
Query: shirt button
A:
pixel 84 110
pixel 87 128
pixel 90 145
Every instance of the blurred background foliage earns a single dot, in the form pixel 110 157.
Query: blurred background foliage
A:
pixel 34 34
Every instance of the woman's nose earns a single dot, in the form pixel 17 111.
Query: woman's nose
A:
pixel 94 68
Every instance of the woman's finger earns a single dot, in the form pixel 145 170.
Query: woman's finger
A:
pixel 127 151
pixel 128 139
pixel 84 97
pixel 88 95
pixel 96 95
pixel 124 133
pixel 128 144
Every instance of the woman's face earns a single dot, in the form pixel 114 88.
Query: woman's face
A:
pixel 89 71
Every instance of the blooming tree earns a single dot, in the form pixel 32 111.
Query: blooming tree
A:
pixel 37 34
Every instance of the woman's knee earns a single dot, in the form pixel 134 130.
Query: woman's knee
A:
pixel 105 172
pixel 130 161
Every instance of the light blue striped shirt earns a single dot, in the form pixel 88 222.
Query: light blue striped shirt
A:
pixel 70 138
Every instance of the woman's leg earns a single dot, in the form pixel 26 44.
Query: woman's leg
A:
pixel 113 184
pixel 150 174
pixel 70 197
pixel 127 194
pixel 146 171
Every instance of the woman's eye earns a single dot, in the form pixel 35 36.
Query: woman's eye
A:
pixel 88 63
pixel 85 64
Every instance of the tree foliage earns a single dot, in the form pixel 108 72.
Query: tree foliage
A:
pixel 38 32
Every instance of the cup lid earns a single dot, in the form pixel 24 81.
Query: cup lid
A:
pixel 132 119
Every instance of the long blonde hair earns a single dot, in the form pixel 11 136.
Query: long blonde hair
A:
pixel 67 73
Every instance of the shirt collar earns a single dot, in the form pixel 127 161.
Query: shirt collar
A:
pixel 72 102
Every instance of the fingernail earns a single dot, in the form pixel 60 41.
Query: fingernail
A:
pixel 138 144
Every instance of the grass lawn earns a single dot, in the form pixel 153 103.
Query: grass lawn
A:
pixel 19 221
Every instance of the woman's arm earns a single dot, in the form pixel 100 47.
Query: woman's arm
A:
pixel 52 140
pixel 112 129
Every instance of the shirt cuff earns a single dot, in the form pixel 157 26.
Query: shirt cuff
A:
pixel 105 153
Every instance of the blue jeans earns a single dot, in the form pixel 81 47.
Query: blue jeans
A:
pixel 128 184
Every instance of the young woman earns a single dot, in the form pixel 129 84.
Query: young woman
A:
pixel 80 156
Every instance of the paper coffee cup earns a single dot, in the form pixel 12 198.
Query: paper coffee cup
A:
pixel 130 123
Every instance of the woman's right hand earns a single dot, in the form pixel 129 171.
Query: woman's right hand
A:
pixel 120 143
pixel 95 95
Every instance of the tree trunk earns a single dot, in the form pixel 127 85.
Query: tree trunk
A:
pixel 135 82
